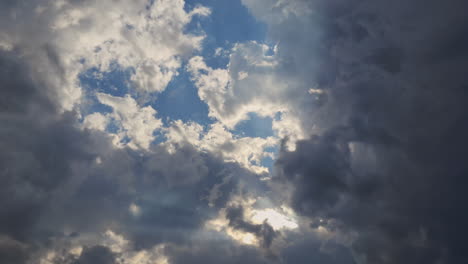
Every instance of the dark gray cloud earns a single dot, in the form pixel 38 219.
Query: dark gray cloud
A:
pixel 12 251
pixel 215 252
pixel 96 254
pixel 38 150
pixel 308 249
pixel 389 162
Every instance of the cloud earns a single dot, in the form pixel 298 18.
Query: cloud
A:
pixel 251 83
pixel 64 38
pixel 136 123
pixel 39 151
pixel 64 185
pixel 96 254
pixel 247 151
pixel 225 253
pixel 64 182
pixel 264 231
pixel 229 97
pixel 12 251
pixel 384 157
pixel 368 100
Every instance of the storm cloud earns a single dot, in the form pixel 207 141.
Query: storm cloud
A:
pixel 389 160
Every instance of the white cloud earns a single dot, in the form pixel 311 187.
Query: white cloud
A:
pixel 289 126
pixel 60 39
pixel 247 151
pixel 276 219
pixel 96 121
pixel 231 98
pixel 253 82
pixel 134 122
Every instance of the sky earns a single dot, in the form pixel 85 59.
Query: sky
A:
pixel 233 131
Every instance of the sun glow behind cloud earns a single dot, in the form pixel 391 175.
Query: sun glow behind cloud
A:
pixel 274 218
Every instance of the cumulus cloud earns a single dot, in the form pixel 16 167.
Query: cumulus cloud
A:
pixel 251 83
pixel 247 151
pixel 64 38
pixel 136 123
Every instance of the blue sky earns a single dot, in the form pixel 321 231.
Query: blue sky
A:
pixel 229 23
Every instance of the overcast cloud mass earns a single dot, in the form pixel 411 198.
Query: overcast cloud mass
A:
pixel 233 131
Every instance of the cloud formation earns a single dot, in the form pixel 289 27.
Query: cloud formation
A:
pixel 385 161
pixel 63 186
pixel 63 38
pixel 367 108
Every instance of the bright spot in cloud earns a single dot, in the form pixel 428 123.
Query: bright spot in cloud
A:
pixel 315 91
pixel 134 209
pixel 221 225
pixel 242 237
pixel 242 75
pixel 274 218
pixel 76 250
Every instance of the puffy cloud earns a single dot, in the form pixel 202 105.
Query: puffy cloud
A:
pixel 250 84
pixel 61 39
pixel 96 121
pixel 136 123
pixel 247 151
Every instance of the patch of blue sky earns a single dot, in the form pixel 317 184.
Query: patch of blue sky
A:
pixel 113 127
pixel 257 126
pixel 230 22
pixel 159 137
pixel 269 162
pixel 115 82
pixel 254 126
pixel 180 101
